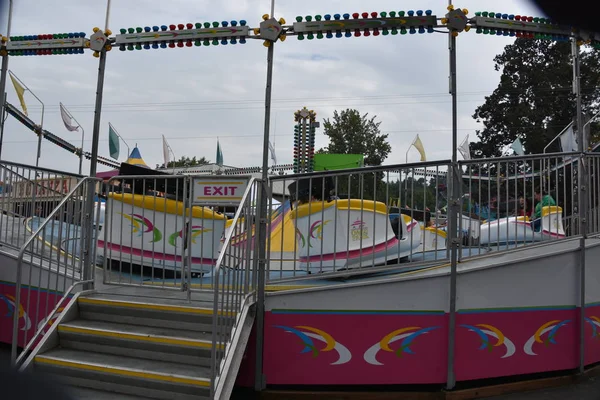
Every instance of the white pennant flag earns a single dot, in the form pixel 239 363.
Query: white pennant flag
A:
pixel 517 147
pixel 464 149
pixel 165 151
pixel 272 149
pixel 66 117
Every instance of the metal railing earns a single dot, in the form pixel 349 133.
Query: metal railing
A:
pixel 235 282
pixel 372 219
pixel 27 191
pixel 50 265
pixel 145 233
pixel 515 201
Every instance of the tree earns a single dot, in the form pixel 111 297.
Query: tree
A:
pixel 186 162
pixel 352 133
pixel 534 99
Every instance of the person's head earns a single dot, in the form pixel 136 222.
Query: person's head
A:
pixel 537 194
pixel 521 201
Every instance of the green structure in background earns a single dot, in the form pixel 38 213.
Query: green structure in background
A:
pixel 330 162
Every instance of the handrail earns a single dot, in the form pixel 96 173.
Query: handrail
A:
pixel 216 271
pixel 362 170
pixel 229 235
pixel 48 318
pixel 22 251
pixel 34 182
pixel 52 171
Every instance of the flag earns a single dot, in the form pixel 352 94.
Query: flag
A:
pixel 165 151
pixel 66 117
pixel 113 142
pixel 517 147
pixel 219 155
pixel 568 140
pixel 465 149
pixel 419 146
pixel 272 149
pixel 20 92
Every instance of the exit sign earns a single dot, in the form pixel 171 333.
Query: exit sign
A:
pixel 213 190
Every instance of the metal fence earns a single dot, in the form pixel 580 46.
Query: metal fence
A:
pixel 26 191
pixel 235 280
pixel 369 219
pixel 50 262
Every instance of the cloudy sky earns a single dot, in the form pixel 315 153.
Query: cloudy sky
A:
pixel 195 95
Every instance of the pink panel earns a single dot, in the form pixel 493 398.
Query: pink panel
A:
pixel 592 334
pixel 352 348
pixel 30 317
pixel 493 343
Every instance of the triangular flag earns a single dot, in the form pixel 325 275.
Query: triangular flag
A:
pixel 67 119
pixel 464 149
pixel 272 149
pixel 419 146
pixel 219 155
pixel 113 142
pixel 517 147
pixel 165 151
pixel 20 92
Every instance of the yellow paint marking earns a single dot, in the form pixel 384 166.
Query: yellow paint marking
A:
pixel 147 306
pixel 269 288
pixel 142 337
pixel 125 372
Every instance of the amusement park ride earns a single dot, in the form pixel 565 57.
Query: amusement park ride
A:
pixel 432 367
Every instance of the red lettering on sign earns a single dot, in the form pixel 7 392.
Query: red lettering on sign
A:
pixel 217 190
pixel 65 186
pixel 232 188
pixel 206 191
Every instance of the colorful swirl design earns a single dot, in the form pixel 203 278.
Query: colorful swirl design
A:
pixel 196 231
pixel 308 333
pixel 9 300
pixel 136 225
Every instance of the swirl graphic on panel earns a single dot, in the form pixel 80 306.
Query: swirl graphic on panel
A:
pixel 407 335
pixel 136 226
pixel 485 332
pixel 551 328
pixel 308 333
pixel 9 300
pixel 595 323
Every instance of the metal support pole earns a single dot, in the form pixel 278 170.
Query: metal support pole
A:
pixel 452 220
pixel 259 379
pixel 582 199
pixel 88 263
pixel 3 116
pixel 3 72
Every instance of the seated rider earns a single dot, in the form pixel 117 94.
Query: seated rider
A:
pixel 542 201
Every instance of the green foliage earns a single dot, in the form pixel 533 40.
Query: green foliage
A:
pixel 186 162
pixel 350 132
pixel 534 99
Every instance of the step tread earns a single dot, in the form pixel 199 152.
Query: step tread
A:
pixel 184 337
pixel 155 295
pixel 80 393
pixel 120 365
pixel 147 303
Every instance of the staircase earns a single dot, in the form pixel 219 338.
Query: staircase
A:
pixel 110 346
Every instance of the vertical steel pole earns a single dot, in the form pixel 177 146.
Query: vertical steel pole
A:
pixel 452 222
pixel 260 262
pixel 81 154
pixel 88 263
pixel 3 115
pixel 582 198
pixel 3 73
